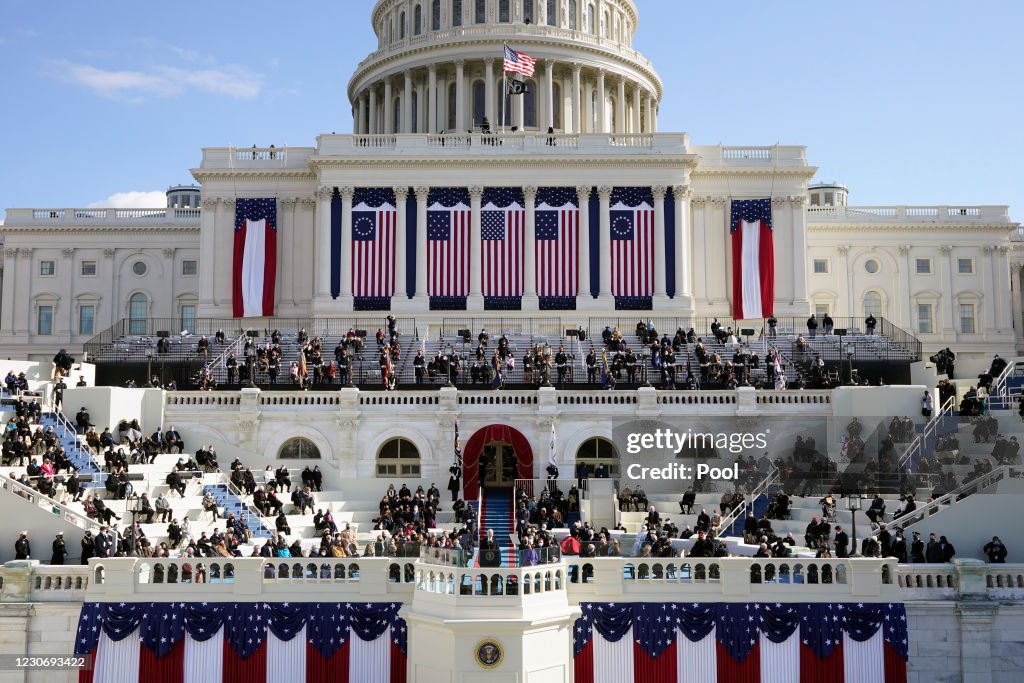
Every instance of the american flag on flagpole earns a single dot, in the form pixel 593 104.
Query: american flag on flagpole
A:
pixel 502 225
pixel 557 232
pixel 374 225
pixel 632 242
pixel 448 225
pixel 519 62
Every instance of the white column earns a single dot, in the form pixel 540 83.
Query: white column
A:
pixel 660 299
pixel 1018 313
pixel 460 96
pixel 432 127
pixel 489 93
pixel 475 300
pixel 549 93
pixel 946 315
pixel 407 104
pixel 421 108
pixel 604 246
pixel 649 114
pixel 345 296
pixel 575 123
pixel 286 219
pixel 357 128
pixel 602 104
pixel 207 265
pixel 635 119
pixel 530 300
pixel 422 194
pixel 798 220
pixel 1000 273
pixel 683 249
pixel 620 107
pixel 389 118
pixel 583 296
pixel 904 305
pixel 401 248
pixel 323 246
pixel 372 96
pixel 9 325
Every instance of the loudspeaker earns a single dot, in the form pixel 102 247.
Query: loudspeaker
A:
pixel 465 334
pixel 490 558
pixel 572 334
pixel 747 332
pixel 163 334
pixel 841 331
pixel 252 334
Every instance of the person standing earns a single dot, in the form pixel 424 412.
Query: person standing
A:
pixel 995 551
pixel 22 548
pixel 60 550
pixel 927 404
pixel 842 543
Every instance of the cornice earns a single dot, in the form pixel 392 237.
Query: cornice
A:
pixel 682 162
pixel 1000 228
pixel 101 229
pixel 759 173
pixel 289 173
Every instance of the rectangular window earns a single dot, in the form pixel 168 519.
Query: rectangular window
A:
pixel 45 325
pixel 967 325
pixel 189 267
pixel 965 266
pixel 88 268
pixel 820 310
pixel 188 317
pixel 86 319
pixel 924 318
pixel 924 266
pixel 47 268
pixel 820 266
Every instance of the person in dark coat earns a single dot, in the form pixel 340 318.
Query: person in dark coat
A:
pixel 995 551
pixel 87 547
pixel 917 549
pixel 22 548
pixel 842 543
pixel 454 483
pixel 60 550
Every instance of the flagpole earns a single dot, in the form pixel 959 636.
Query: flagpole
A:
pixel 504 85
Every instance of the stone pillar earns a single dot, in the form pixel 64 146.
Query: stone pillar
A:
pixel 549 93
pixel 9 325
pixel 323 245
pixel 660 298
pixel 359 128
pixel 798 221
pixel 287 233
pixel 602 104
pixel 635 119
pixel 1000 278
pixel 432 99
pixel 460 96
pixel 946 315
pixel 489 93
pixel 401 248
pixel 475 300
pixel 649 114
pixel 576 125
pixel 905 304
pixel 583 296
pixel 207 264
pixel 389 119
pixel 422 194
pixel 683 249
pixel 407 104
pixel 1018 314
pixel 371 94
pixel 530 301
pixel 345 296
pixel 604 247
pixel 976 640
pixel 620 107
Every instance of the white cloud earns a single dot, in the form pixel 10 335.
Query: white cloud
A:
pixel 160 81
pixel 132 200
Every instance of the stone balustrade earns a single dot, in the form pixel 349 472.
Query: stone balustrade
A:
pixel 140 218
pixel 909 214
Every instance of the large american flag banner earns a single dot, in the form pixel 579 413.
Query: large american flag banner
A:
pixel 374 226
pixel 557 230
pixel 502 225
pixel 729 642
pixel 210 642
pixel 255 258
pixel 632 241
pixel 448 227
pixel 519 62
pixel 753 258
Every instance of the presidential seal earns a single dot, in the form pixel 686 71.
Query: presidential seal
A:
pixel 489 654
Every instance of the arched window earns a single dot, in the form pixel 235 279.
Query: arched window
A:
pixel 451 108
pixel 609 114
pixel 872 304
pixel 504 15
pixel 401 26
pixel 556 106
pixel 527 11
pixel 435 15
pixel 530 105
pixel 599 451
pixel 398 458
pixel 138 313
pixel 479 103
pixel 590 19
pixel 456 12
pixel 573 15
pixel 417 20
pixel 480 12
pixel 604 24
pixel 552 12
pixel 299 448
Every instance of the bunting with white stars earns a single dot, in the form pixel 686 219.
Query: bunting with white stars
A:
pixel 753 258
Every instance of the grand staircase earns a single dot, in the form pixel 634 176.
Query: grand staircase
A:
pixel 496 513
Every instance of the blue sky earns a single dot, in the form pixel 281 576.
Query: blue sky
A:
pixel 907 102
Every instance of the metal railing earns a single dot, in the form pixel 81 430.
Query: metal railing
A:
pixel 773 477
pixel 959 493
pixel 919 443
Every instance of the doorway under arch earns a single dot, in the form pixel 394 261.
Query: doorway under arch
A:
pixel 507 446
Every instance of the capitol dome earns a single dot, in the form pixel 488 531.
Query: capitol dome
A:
pixel 439 67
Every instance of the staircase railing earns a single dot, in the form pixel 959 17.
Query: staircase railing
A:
pixel 959 493
pixel 33 496
pixel 79 453
pixel 251 511
pixel 773 477
pixel 918 444
pixel 1000 396
pixel 235 345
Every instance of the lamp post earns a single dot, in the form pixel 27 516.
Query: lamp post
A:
pixel 149 364
pixel 853 504
pixel 850 349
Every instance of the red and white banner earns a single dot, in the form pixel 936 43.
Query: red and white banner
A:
pixel 753 259
pixel 255 258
